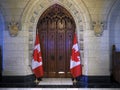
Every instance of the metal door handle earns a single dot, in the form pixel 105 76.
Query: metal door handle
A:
pixel 52 57
pixel 60 57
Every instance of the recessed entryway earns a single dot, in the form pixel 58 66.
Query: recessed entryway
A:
pixel 56 28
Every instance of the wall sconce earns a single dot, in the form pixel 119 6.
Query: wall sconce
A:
pixel 98 28
pixel 13 27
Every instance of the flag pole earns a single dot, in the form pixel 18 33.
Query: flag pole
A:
pixel 75 60
pixel 36 81
pixel 74 81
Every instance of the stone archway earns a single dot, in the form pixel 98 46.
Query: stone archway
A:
pixel 79 12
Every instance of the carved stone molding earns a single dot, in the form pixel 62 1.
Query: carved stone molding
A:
pixel 13 27
pixel 98 27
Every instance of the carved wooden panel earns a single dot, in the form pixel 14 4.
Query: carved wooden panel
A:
pixel 51 53
pixel 68 44
pixel 0 55
pixel 61 60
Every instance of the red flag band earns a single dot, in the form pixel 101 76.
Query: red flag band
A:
pixel 37 59
pixel 75 63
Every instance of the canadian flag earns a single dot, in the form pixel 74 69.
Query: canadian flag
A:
pixel 37 59
pixel 75 63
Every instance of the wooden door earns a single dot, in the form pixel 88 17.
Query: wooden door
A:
pixel 56 28
pixel 0 63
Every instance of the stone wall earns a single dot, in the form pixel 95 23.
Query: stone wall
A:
pixel 14 47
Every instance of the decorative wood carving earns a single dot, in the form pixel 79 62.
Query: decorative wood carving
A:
pixel 56 18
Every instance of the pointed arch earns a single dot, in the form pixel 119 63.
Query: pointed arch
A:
pixel 77 9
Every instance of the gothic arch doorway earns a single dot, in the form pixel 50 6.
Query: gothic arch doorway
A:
pixel 56 28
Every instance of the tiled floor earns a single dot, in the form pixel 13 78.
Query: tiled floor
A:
pixel 56 81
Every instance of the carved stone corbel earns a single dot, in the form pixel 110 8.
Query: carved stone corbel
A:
pixel 98 28
pixel 13 27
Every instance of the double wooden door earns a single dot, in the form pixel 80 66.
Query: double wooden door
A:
pixel 56 34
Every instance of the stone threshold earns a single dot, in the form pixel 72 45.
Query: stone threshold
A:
pixel 56 81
